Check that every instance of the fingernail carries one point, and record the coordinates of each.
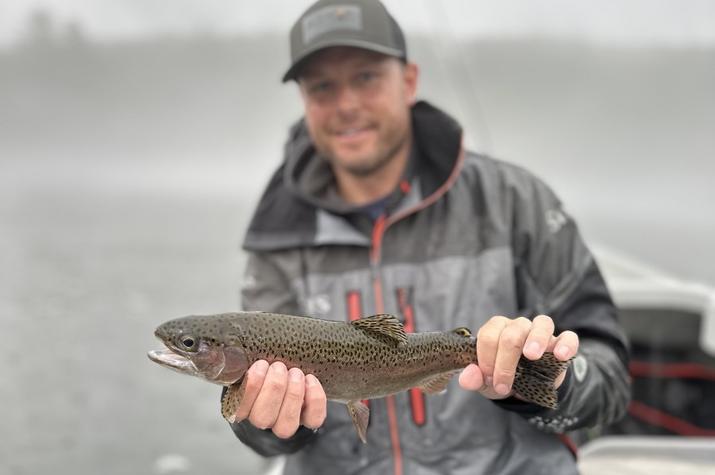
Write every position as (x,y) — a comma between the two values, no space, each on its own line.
(563,352)
(310,380)
(489,380)
(502,389)
(279,368)
(260,368)
(468,370)
(533,348)
(295,375)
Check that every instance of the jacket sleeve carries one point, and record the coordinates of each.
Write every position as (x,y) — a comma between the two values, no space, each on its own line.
(556,275)
(266,287)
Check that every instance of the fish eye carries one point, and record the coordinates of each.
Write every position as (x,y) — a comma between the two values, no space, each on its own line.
(188,342)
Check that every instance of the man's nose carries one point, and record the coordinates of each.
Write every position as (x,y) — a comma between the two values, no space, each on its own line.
(347,99)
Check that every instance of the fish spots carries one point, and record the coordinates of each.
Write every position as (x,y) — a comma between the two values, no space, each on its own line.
(534,380)
(351,363)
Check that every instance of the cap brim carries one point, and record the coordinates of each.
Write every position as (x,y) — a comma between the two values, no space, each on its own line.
(298,64)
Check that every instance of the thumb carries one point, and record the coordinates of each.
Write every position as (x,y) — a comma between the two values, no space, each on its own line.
(471,378)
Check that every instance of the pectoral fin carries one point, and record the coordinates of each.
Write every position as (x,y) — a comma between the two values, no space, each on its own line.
(231,399)
(360,415)
(384,325)
(437,384)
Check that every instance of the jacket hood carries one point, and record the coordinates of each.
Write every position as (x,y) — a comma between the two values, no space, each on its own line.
(304,185)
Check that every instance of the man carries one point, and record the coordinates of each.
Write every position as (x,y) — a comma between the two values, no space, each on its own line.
(377,208)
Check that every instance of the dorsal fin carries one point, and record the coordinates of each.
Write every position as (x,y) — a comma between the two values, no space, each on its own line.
(383,324)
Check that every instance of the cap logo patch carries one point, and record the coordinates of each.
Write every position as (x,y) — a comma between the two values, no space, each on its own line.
(327,19)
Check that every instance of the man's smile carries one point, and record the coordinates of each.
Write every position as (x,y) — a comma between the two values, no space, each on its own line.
(353,135)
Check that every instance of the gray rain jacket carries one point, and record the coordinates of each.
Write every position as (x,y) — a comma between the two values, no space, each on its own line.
(465,237)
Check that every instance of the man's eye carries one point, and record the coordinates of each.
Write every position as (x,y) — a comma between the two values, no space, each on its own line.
(366,76)
(320,87)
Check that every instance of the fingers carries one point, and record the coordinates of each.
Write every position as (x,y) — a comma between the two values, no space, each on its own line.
(510,348)
(255,376)
(488,343)
(541,332)
(315,404)
(471,378)
(266,407)
(565,345)
(289,414)
(500,344)
(278,399)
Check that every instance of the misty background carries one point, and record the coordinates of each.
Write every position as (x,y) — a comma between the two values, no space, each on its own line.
(136,137)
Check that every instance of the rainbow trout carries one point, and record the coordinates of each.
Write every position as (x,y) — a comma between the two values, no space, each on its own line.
(368,358)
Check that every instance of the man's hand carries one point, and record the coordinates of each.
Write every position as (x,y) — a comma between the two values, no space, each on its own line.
(281,400)
(501,342)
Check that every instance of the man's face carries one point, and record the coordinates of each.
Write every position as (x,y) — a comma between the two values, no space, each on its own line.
(357,107)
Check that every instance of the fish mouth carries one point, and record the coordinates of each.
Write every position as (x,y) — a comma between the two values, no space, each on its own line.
(172,360)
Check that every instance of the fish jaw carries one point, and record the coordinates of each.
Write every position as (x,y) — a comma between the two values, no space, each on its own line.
(173,361)
(219,365)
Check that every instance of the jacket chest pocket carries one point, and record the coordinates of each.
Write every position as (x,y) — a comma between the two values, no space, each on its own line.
(343,296)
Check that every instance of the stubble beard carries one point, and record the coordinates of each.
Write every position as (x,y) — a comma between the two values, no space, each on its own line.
(371,165)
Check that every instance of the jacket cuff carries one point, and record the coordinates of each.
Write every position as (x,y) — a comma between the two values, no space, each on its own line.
(265,442)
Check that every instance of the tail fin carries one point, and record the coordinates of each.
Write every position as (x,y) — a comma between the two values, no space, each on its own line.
(534,380)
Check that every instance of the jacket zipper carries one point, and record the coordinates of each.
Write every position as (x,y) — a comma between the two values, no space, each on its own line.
(378,232)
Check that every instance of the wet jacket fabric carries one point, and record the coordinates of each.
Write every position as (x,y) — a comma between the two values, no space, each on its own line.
(463,238)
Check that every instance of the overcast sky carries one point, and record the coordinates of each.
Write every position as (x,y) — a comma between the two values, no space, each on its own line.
(623,22)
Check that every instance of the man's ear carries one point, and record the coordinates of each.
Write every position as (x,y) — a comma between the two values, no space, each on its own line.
(411,76)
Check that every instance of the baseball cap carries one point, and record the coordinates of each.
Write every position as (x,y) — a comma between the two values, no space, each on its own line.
(363,24)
